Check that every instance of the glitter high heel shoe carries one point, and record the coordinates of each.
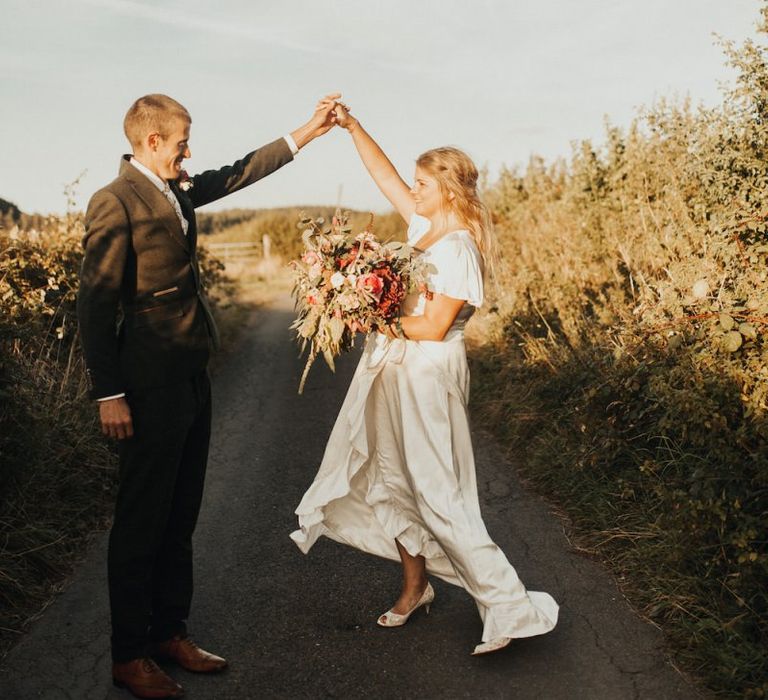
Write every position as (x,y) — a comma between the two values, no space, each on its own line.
(393,619)
(494,645)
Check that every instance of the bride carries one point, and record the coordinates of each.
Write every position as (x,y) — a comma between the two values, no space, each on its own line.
(398,475)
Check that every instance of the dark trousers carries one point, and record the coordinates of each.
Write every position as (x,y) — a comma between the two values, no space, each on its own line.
(162,472)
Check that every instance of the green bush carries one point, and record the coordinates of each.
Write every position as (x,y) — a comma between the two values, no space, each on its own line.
(629,361)
(57,473)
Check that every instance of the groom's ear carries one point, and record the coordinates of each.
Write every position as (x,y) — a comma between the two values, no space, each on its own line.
(152,141)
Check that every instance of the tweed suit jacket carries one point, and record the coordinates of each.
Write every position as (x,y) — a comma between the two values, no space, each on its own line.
(143,315)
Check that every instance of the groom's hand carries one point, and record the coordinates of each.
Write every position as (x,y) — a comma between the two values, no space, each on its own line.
(115,417)
(322,121)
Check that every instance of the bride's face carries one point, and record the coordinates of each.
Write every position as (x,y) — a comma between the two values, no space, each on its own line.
(426,194)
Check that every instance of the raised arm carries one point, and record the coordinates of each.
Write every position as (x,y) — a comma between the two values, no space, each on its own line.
(211,185)
(378,165)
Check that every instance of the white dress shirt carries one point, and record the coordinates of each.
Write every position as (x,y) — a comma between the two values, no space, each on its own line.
(163,186)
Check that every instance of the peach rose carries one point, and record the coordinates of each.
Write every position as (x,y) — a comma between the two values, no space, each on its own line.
(371,283)
(310,258)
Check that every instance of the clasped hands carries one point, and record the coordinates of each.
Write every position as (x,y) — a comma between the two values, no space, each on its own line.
(329,112)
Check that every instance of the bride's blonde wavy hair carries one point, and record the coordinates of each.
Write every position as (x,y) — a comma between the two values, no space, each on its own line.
(456,174)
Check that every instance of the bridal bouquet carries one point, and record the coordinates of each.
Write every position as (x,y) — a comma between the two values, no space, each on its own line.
(344,283)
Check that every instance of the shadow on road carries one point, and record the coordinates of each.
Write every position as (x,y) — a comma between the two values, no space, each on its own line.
(296,626)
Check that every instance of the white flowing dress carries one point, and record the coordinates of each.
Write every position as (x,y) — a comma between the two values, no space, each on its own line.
(399,462)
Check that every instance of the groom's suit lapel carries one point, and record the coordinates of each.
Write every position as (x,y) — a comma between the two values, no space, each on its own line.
(188,210)
(156,202)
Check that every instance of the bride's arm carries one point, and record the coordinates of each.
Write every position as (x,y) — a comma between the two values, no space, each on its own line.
(379,166)
(439,314)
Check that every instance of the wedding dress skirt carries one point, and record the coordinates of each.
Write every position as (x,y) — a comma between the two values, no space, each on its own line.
(399,466)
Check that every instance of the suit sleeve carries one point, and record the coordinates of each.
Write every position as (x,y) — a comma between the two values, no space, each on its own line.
(106,242)
(215,184)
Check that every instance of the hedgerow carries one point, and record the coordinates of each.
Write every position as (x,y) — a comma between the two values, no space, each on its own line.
(57,473)
(628,363)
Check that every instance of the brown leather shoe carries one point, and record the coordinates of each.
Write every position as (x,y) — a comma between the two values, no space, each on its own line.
(144,679)
(188,655)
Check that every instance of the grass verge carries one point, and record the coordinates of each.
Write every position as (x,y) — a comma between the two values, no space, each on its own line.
(57,473)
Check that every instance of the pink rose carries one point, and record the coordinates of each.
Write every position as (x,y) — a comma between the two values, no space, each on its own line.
(371,283)
(310,258)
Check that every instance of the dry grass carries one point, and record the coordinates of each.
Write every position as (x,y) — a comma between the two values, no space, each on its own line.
(57,473)
(625,361)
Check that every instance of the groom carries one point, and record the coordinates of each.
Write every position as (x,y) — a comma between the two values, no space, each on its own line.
(146,329)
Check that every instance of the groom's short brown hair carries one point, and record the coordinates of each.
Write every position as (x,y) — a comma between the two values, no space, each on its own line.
(150,114)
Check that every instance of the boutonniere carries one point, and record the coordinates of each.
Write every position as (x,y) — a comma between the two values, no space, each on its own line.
(185,181)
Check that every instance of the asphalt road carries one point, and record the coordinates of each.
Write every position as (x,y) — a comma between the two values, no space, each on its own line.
(296,626)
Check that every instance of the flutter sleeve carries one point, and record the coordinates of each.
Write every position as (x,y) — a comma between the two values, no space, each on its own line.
(458,270)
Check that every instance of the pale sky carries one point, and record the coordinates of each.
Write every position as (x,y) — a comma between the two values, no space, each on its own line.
(501,79)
